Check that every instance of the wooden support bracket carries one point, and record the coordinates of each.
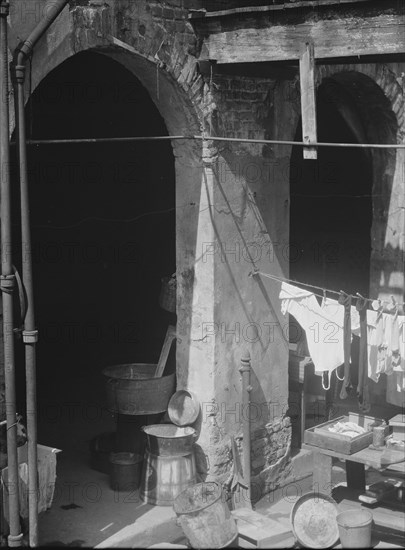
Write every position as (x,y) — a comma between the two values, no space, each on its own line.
(308,100)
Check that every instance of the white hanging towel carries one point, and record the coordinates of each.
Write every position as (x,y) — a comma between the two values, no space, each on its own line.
(324,334)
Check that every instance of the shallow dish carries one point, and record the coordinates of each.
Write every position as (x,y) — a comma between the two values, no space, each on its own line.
(313,520)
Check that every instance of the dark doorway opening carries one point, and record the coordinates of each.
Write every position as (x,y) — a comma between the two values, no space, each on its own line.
(103,231)
(330,231)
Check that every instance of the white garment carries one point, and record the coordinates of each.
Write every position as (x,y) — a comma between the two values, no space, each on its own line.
(395,393)
(382,341)
(376,344)
(376,336)
(324,334)
(336,311)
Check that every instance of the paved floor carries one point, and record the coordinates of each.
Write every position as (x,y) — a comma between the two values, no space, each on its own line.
(86,512)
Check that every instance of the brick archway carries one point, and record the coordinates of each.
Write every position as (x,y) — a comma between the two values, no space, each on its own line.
(379,100)
(168,71)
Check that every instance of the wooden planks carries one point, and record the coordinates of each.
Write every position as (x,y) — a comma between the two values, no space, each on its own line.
(308,101)
(202,13)
(164,354)
(351,36)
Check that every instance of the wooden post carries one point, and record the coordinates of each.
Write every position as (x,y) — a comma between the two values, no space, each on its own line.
(246,389)
(308,102)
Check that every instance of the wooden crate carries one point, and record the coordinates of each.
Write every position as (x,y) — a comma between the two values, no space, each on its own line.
(320,436)
(259,531)
(398,427)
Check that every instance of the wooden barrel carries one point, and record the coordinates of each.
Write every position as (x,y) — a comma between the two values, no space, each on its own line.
(205,517)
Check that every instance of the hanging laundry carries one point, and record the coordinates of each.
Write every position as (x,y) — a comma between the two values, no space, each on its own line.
(399,362)
(362,386)
(394,360)
(338,313)
(378,334)
(346,301)
(395,392)
(376,341)
(324,335)
(335,311)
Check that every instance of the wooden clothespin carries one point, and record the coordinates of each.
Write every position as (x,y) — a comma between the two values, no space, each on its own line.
(361,301)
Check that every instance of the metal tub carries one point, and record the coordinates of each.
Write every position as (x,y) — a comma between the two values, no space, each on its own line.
(133,389)
(169,440)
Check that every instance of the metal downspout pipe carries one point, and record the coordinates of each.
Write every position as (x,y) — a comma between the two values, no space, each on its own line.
(30,333)
(7,283)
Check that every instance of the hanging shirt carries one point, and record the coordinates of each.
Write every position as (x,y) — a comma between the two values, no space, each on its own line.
(324,335)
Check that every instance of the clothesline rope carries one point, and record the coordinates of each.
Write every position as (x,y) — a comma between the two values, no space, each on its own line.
(215,138)
(285,280)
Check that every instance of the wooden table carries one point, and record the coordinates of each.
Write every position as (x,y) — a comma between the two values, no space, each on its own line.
(356,480)
(355,463)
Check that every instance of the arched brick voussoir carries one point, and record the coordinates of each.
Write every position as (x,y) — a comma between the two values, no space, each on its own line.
(384,78)
(155,49)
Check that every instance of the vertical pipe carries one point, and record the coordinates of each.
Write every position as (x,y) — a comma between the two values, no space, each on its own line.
(246,389)
(7,283)
(30,334)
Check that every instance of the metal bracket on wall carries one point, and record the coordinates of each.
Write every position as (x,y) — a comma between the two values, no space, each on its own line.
(30,336)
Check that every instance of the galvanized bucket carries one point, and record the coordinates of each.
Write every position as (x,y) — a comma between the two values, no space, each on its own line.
(165,477)
(169,440)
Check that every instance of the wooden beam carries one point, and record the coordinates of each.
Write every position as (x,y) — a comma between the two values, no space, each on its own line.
(339,37)
(308,101)
(202,13)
